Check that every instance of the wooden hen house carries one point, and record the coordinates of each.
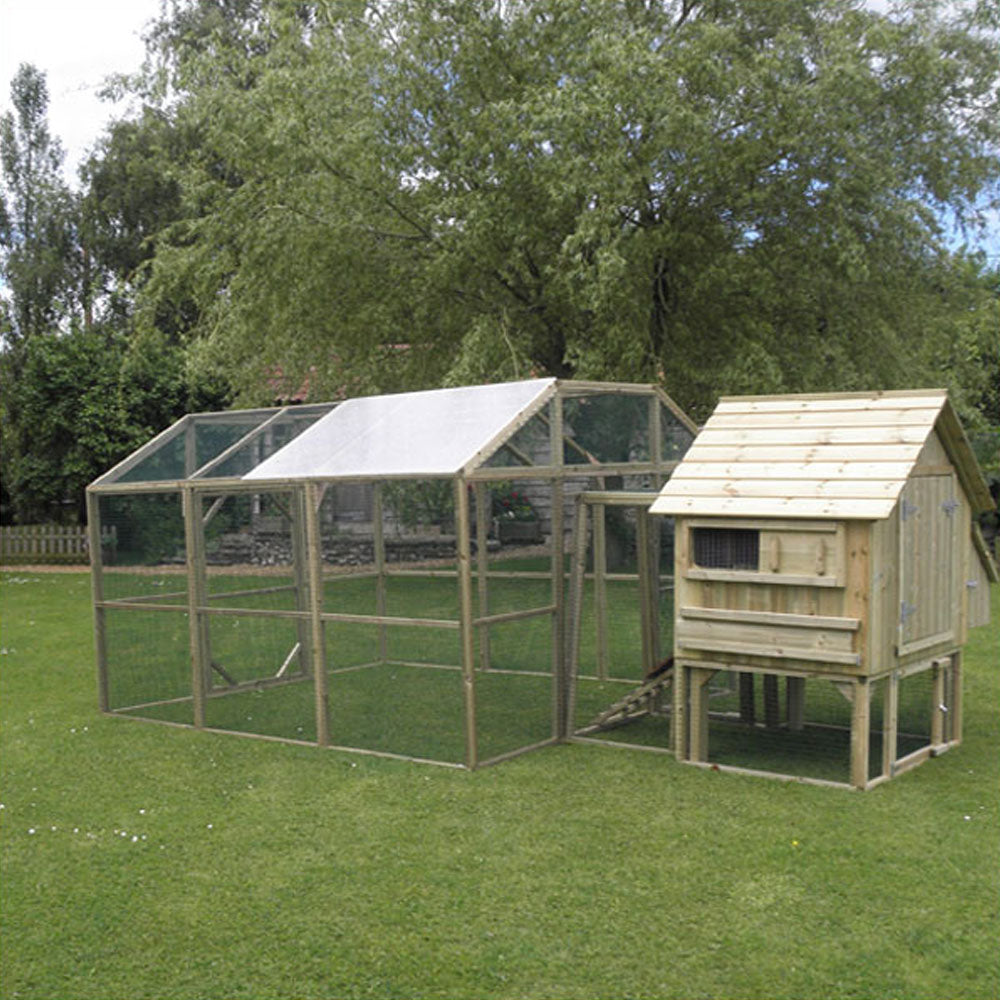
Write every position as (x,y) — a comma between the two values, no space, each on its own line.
(827,541)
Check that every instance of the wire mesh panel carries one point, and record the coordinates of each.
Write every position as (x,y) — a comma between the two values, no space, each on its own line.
(148,663)
(529,445)
(782,725)
(916,706)
(625,628)
(258,676)
(676,436)
(144,555)
(607,427)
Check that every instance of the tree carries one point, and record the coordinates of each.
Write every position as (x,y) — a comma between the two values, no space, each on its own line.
(38,255)
(735,197)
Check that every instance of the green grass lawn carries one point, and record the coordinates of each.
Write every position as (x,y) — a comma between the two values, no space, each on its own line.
(141,861)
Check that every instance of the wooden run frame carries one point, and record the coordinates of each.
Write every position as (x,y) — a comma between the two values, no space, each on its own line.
(692,715)
(202,496)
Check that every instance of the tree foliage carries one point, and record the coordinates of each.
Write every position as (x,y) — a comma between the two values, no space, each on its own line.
(730,196)
(37,242)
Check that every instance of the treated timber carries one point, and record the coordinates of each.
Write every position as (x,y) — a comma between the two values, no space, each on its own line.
(574,627)
(560,689)
(97,589)
(466,638)
(313,540)
(378,545)
(482,572)
(600,589)
(860,722)
(198,652)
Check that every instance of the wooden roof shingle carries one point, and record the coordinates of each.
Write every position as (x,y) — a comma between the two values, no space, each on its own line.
(830,455)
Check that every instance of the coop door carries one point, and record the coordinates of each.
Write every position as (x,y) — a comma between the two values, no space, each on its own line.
(929,567)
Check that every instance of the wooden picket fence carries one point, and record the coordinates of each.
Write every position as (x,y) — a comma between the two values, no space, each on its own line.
(48,543)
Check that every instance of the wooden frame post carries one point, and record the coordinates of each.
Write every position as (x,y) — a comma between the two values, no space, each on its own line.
(558,513)
(860,721)
(648,594)
(698,735)
(195,558)
(679,716)
(957,707)
(314,555)
(97,586)
(378,545)
(482,570)
(601,589)
(890,724)
(465,620)
(300,561)
(938,702)
(574,618)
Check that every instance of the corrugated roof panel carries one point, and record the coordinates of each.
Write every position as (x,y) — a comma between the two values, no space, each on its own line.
(429,433)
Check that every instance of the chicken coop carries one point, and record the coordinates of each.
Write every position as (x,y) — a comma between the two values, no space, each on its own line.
(828,565)
(384,574)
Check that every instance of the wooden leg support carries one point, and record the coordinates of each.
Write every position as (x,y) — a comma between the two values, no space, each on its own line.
(795,696)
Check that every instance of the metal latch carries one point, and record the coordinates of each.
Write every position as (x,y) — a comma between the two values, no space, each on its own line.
(950,506)
(972,584)
(906,612)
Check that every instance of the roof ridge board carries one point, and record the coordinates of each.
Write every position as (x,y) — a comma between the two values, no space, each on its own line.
(831,396)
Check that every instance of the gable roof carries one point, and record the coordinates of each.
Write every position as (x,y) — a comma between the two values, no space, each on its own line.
(434,432)
(834,455)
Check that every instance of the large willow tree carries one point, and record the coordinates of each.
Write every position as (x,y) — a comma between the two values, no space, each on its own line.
(733,196)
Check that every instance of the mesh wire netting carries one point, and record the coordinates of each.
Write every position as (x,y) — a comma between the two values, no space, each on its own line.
(915,710)
(753,723)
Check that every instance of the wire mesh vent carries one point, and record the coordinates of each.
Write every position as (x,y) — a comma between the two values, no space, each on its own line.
(727,548)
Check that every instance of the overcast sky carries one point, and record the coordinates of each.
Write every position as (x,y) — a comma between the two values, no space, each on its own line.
(76,43)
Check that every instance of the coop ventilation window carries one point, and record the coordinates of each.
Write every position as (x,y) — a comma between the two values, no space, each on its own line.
(726,548)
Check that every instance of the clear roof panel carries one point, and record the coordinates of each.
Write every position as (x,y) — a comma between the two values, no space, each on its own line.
(436,432)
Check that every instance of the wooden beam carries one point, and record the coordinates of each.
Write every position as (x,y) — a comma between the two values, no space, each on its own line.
(860,721)
(313,546)
(97,596)
(378,545)
(466,638)
(483,512)
(196,598)
(600,550)
(574,617)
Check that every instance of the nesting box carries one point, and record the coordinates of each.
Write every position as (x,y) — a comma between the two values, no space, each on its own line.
(826,542)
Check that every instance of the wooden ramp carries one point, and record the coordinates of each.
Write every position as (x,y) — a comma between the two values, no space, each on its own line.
(635,704)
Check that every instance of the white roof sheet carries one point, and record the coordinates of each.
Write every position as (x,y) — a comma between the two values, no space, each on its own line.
(435,432)
(829,456)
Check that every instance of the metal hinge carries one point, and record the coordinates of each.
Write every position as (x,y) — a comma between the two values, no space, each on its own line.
(950,506)
(972,584)
(906,612)
(907,509)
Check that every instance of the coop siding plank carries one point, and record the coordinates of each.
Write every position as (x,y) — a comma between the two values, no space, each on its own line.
(772,618)
(785,640)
